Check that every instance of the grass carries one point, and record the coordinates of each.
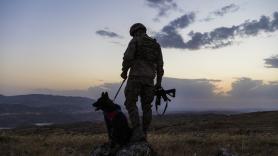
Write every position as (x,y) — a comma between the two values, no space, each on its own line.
(247,135)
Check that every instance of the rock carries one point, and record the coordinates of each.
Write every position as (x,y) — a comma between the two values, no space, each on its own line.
(132,149)
(137,149)
(101,150)
(225,152)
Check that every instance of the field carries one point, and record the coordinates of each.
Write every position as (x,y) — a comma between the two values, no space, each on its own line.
(252,134)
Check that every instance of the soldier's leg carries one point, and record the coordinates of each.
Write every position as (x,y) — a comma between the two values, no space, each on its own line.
(147,96)
(131,97)
(132,92)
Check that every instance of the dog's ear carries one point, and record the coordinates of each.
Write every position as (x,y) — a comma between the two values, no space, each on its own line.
(102,94)
(106,94)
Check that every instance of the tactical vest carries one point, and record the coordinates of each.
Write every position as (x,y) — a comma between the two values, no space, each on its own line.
(147,49)
(146,55)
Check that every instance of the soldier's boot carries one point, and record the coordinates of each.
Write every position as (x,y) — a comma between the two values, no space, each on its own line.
(137,133)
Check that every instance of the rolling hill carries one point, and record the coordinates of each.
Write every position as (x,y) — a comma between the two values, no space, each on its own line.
(38,108)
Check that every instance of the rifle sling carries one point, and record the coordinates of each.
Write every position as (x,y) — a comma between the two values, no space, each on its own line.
(165,108)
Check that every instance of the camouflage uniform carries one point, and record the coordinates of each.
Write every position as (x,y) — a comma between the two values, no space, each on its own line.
(144,59)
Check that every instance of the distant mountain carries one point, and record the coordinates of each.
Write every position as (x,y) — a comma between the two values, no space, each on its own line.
(38,100)
(39,108)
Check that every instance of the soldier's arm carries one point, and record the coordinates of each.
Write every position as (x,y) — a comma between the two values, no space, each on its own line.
(129,56)
(159,70)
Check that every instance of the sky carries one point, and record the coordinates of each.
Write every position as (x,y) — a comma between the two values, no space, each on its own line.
(72,47)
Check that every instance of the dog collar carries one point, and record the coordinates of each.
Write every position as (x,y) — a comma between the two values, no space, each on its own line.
(111,115)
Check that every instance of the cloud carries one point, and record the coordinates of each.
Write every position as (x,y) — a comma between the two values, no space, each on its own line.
(118,43)
(169,37)
(162,6)
(256,89)
(243,87)
(199,94)
(252,28)
(109,34)
(219,37)
(192,88)
(92,92)
(226,9)
(222,11)
(272,62)
(187,90)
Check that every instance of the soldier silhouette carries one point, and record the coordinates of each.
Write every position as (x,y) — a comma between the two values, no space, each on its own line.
(143,58)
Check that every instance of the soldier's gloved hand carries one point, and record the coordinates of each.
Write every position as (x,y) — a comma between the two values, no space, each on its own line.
(124,75)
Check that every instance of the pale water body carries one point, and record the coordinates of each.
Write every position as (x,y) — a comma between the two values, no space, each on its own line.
(44,124)
(36,124)
(2,128)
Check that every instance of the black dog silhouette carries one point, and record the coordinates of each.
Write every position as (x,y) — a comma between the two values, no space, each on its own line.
(116,122)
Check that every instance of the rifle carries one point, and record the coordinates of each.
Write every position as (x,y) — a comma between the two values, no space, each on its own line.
(163,93)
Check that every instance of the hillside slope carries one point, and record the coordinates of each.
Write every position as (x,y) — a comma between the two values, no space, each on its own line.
(253,134)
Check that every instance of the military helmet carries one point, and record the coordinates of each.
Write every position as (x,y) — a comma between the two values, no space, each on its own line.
(135,27)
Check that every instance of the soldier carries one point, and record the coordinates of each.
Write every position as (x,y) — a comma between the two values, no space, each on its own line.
(143,57)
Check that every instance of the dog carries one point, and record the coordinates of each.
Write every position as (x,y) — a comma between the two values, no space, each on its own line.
(116,122)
